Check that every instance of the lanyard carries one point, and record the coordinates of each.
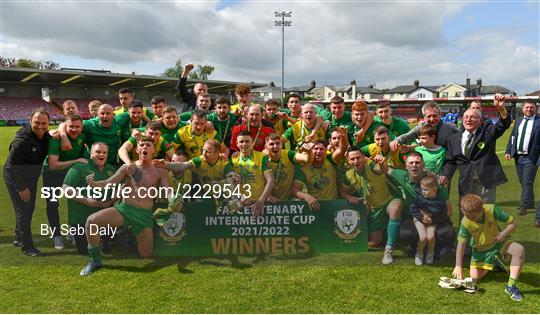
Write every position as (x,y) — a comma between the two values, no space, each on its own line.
(256,137)
(193,135)
(278,172)
(244,173)
(362,183)
(226,128)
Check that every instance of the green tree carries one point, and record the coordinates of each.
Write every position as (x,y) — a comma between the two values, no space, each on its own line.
(174,71)
(28,63)
(202,72)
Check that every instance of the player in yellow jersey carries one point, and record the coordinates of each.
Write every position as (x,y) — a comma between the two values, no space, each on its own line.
(488,242)
(192,137)
(366,182)
(243,96)
(208,166)
(320,177)
(381,136)
(283,163)
(304,130)
(271,108)
(254,171)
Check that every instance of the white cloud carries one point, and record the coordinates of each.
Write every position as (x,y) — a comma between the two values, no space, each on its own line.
(384,43)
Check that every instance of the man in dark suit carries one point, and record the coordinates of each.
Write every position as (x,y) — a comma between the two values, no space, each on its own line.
(473,152)
(521,146)
(189,97)
(537,217)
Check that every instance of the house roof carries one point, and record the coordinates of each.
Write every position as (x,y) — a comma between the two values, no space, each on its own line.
(492,89)
(367,89)
(403,89)
(267,89)
(320,89)
(535,93)
(342,88)
(432,88)
(411,88)
(303,88)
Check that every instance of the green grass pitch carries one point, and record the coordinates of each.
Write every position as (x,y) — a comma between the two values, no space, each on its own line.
(338,283)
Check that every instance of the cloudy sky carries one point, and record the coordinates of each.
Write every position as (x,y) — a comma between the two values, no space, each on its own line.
(383,43)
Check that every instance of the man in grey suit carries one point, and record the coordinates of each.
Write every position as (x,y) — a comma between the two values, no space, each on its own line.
(432,116)
(523,147)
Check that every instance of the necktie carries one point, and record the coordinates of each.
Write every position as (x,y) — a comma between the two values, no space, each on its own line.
(467,150)
(522,138)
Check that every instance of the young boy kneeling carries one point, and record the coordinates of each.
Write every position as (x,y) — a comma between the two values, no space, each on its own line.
(488,242)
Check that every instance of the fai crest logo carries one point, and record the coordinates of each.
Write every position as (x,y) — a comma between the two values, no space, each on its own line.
(347,223)
(174,229)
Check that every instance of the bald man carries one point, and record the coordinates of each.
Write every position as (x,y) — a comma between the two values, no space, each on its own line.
(254,127)
(104,128)
(473,152)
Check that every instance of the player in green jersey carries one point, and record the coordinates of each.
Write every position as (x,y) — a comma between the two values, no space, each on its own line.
(133,119)
(337,116)
(396,125)
(170,123)
(56,166)
(222,120)
(80,208)
(361,131)
(162,149)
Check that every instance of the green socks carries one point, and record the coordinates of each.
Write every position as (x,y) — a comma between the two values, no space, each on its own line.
(94,253)
(511,281)
(392,231)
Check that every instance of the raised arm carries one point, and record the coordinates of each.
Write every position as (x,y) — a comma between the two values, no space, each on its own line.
(123,152)
(115,179)
(405,138)
(343,143)
(304,154)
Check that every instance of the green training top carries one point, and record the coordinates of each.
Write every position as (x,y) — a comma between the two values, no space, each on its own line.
(77,150)
(76,177)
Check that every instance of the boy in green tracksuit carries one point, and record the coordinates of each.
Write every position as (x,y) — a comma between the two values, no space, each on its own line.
(488,242)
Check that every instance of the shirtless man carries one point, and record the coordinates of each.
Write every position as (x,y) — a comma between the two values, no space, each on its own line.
(134,211)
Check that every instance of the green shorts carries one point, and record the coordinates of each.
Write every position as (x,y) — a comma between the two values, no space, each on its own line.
(377,220)
(136,218)
(484,259)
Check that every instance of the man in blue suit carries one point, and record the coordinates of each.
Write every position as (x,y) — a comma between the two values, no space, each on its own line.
(523,145)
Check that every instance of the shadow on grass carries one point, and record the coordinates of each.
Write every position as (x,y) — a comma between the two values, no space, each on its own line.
(529,278)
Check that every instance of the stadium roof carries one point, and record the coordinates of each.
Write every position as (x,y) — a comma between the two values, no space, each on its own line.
(85,77)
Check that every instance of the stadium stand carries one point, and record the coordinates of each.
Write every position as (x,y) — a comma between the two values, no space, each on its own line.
(19,108)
